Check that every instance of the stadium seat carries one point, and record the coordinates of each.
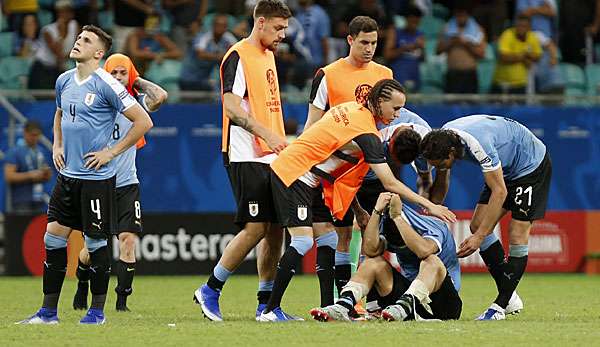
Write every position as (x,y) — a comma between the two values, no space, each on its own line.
(485,75)
(431,26)
(440,11)
(6,44)
(430,46)
(399,22)
(208,20)
(430,89)
(44,17)
(573,76)
(166,72)
(490,53)
(173,89)
(432,74)
(592,74)
(14,72)
(106,20)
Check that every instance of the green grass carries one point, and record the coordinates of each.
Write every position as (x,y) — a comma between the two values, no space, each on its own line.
(559,310)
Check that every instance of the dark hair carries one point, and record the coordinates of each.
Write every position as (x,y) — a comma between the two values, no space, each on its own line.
(363,24)
(271,9)
(102,35)
(437,144)
(523,17)
(413,11)
(32,125)
(404,145)
(383,89)
(21,30)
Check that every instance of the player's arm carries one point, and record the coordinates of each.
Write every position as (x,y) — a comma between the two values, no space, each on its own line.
(318,99)
(314,114)
(439,188)
(372,244)
(424,181)
(241,118)
(495,181)
(362,216)
(478,49)
(58,153)
(155,96)
(419,245)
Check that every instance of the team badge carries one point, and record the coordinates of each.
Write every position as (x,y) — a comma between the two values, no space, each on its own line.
(272,82)
(253,209)
(89,98)
(361,93)
(302,212)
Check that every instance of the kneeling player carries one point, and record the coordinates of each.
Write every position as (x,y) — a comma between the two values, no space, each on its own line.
(430,279)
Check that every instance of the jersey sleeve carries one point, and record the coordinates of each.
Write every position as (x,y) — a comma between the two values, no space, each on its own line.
(372,148)
(115,93)
(234,80)
(483,149)
(11,156)
(318,92)
(58,87)
(436,236)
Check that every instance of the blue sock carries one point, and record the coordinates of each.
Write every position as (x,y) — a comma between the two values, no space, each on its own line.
(265,286)
(342,258)
(217,280)
(488,241)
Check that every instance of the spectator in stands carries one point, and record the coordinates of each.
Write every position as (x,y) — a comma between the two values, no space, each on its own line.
(55,43)
(577,19)
(491,14)
(16,10)
(186,17)
(148,44)
(25,170)
(404,50)
(27,38)
(205,56)
(129,15)
(86,11)
(317,27)
(541,13)
(548,77)
(293,56)
(234,8)
(464,42)
(518,49)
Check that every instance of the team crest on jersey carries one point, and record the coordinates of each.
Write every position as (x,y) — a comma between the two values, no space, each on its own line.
(89,98)
(302,212)
(361,92)
(253,208)
(272,82)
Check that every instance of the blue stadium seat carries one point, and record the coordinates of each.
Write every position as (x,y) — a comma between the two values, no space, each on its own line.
(431,26)
(430,46)
(485,75)
(6,44)
(14,72)
(592,74)
(166,72)
(432,74)
(45,17)
(106,20)
(573,76)
(440,11)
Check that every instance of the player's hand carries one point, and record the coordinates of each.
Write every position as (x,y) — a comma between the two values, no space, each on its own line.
(36,175)
(98,159)
(362,218)
(58,158)
(276,143)
(383,201)
(395,206)
(442,212)
(469,246)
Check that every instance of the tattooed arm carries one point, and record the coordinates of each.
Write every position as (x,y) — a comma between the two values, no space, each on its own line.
(241,118)
(155,95)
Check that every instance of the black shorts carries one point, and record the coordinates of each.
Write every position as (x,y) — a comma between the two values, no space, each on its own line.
(445,303)
(528,195)
(86,205)
(251,185)
(129,209)
(298,205)
(367,197)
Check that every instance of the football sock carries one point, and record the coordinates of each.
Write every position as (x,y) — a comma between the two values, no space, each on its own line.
(285,271)
(347,300)
(493,257)
(99,276)
(265,288)
(343,269)
(517,262)
(55,268)
(217,280)
(326,244)
(125,273)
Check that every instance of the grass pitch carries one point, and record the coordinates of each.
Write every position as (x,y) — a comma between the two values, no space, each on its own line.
(559,310)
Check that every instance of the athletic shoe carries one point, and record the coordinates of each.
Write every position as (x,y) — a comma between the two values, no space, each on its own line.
(208,299)
(259,310)
(515,304)
(277,315)
(495,312)
(404,309)
(81,296)
(330,313)
(42,316)
(94,317)
(121,305)
(373,315)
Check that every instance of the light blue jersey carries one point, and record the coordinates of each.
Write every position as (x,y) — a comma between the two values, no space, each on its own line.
(493,142)
(429,228)
(89,109)
(125,162)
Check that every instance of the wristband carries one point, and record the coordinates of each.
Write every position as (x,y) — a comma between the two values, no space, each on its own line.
(376,211)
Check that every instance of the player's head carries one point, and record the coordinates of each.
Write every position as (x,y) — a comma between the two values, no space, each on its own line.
(461,12)
(413,18)
(220,22)
(91,44)
(441,148)
(123,70)
(270,22)
(404,145)
(522,26)
(362,38)
(32,132)
(385,99)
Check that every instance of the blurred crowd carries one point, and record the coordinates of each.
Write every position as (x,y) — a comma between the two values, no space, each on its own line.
(452,46)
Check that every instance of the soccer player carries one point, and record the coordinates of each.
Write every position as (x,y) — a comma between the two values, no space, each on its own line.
(253,134)
(516,169)
(347,79)
(88,100)
(129,210)
(340,148)
(428,285)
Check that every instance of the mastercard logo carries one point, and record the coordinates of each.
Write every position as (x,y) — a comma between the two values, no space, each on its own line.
(32,246)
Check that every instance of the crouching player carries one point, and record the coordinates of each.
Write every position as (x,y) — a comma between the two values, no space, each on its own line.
(427,287)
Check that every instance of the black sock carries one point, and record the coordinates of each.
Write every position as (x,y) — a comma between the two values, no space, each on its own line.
(263,296)
(326,273)
(342,276)
(99,276)
(372,296)
(83,272)
(347,300)
(510,279)
(214,283)
(493,257)
(55,268)
(125,272)
(285,271)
